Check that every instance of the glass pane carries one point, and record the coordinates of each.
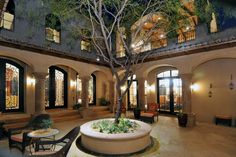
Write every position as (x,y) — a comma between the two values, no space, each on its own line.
(164,92)
(167,74)
(90,96)
(12,87)
(59,88)
(47,91)
(160,75)
(78,89)
(174,72)
(133,94)
(177,89)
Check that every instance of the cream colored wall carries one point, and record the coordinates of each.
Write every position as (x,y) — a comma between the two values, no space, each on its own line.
(223,101)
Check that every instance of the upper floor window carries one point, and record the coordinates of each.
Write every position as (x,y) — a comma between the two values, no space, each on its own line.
(53,28)
(85,45)
(7,11)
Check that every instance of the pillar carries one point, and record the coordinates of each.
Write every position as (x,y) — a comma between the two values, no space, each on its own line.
(186,97)
(186,92)
(111,94)
(85,86)
(40,92)
(141,92)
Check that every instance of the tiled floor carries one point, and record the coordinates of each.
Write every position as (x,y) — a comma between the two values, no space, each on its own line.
(204,140)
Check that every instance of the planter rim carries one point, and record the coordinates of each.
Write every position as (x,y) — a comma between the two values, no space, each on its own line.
(143,130)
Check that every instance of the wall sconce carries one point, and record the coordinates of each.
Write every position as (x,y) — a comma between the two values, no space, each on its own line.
(210,92)
(72,83)
(31,81)
(195,87)
(231,84)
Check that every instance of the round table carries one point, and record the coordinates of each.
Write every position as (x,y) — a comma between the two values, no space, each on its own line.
(36,135)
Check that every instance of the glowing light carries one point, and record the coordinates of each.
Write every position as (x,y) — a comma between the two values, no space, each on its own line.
(195,87)
(72,83)
(98,59)
(187,28)
(30,81)
(161,36)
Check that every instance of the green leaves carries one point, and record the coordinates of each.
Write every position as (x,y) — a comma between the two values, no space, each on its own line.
(109,127)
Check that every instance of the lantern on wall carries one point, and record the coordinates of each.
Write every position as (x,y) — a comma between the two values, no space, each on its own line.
(210,92)
(231,84)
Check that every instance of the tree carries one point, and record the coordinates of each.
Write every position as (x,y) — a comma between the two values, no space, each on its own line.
(127,19)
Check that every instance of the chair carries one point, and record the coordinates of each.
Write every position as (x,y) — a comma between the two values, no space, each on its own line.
(18,138)
(152,108)
(65,142)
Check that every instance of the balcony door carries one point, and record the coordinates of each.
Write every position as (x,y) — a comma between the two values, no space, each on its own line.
(169,91)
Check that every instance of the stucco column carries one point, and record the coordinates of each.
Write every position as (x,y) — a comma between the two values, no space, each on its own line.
(85,86)
(40,92)
(111,94)
(186,97)
(186,92)
(141,92)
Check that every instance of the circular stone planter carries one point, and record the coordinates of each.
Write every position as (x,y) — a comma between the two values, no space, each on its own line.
(122,143)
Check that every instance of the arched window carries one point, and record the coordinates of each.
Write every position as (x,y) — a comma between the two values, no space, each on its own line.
(53,28)
(92,90)
(12,81)
(56,88)
(78,89)
(169,87)
(133,93)
(7,11)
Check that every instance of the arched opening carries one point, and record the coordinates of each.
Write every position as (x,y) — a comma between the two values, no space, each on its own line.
(169,91)
(12,81)
(53,28)
(56,88)
(7,14)
(78,89)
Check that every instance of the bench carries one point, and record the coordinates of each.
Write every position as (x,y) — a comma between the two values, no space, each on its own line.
(147,117)
(221,119)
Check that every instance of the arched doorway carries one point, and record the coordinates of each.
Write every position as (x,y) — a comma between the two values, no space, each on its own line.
(169,95)
(133,93)
(56,88)
(12,86)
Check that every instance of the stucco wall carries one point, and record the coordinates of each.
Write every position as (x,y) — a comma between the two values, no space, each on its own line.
(223,99)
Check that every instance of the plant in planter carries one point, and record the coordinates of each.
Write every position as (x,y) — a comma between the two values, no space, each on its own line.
(77,106)
(104,102)
(182,119)
(45,123)
(137,112)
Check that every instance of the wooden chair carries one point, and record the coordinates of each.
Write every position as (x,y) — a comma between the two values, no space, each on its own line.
(17,137)
(65,142)
(152,108)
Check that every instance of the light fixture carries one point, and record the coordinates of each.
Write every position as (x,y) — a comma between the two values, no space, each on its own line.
(195,87)
(210,92)
(72,83)
(187,28)
(231,84)
(161,36)
(159,18)
(30,81)
(98,59)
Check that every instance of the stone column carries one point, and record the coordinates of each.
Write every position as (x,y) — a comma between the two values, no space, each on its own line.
(141,92)
(40,92)
(112,94)
(186,97)
(186,92)
(85,86)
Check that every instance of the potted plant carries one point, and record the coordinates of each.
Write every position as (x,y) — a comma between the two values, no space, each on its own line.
(137,112)
(104,102)
(182,119)
(77,106)
(45,123)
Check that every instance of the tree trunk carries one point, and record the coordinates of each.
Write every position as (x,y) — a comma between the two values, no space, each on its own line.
(119,104)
